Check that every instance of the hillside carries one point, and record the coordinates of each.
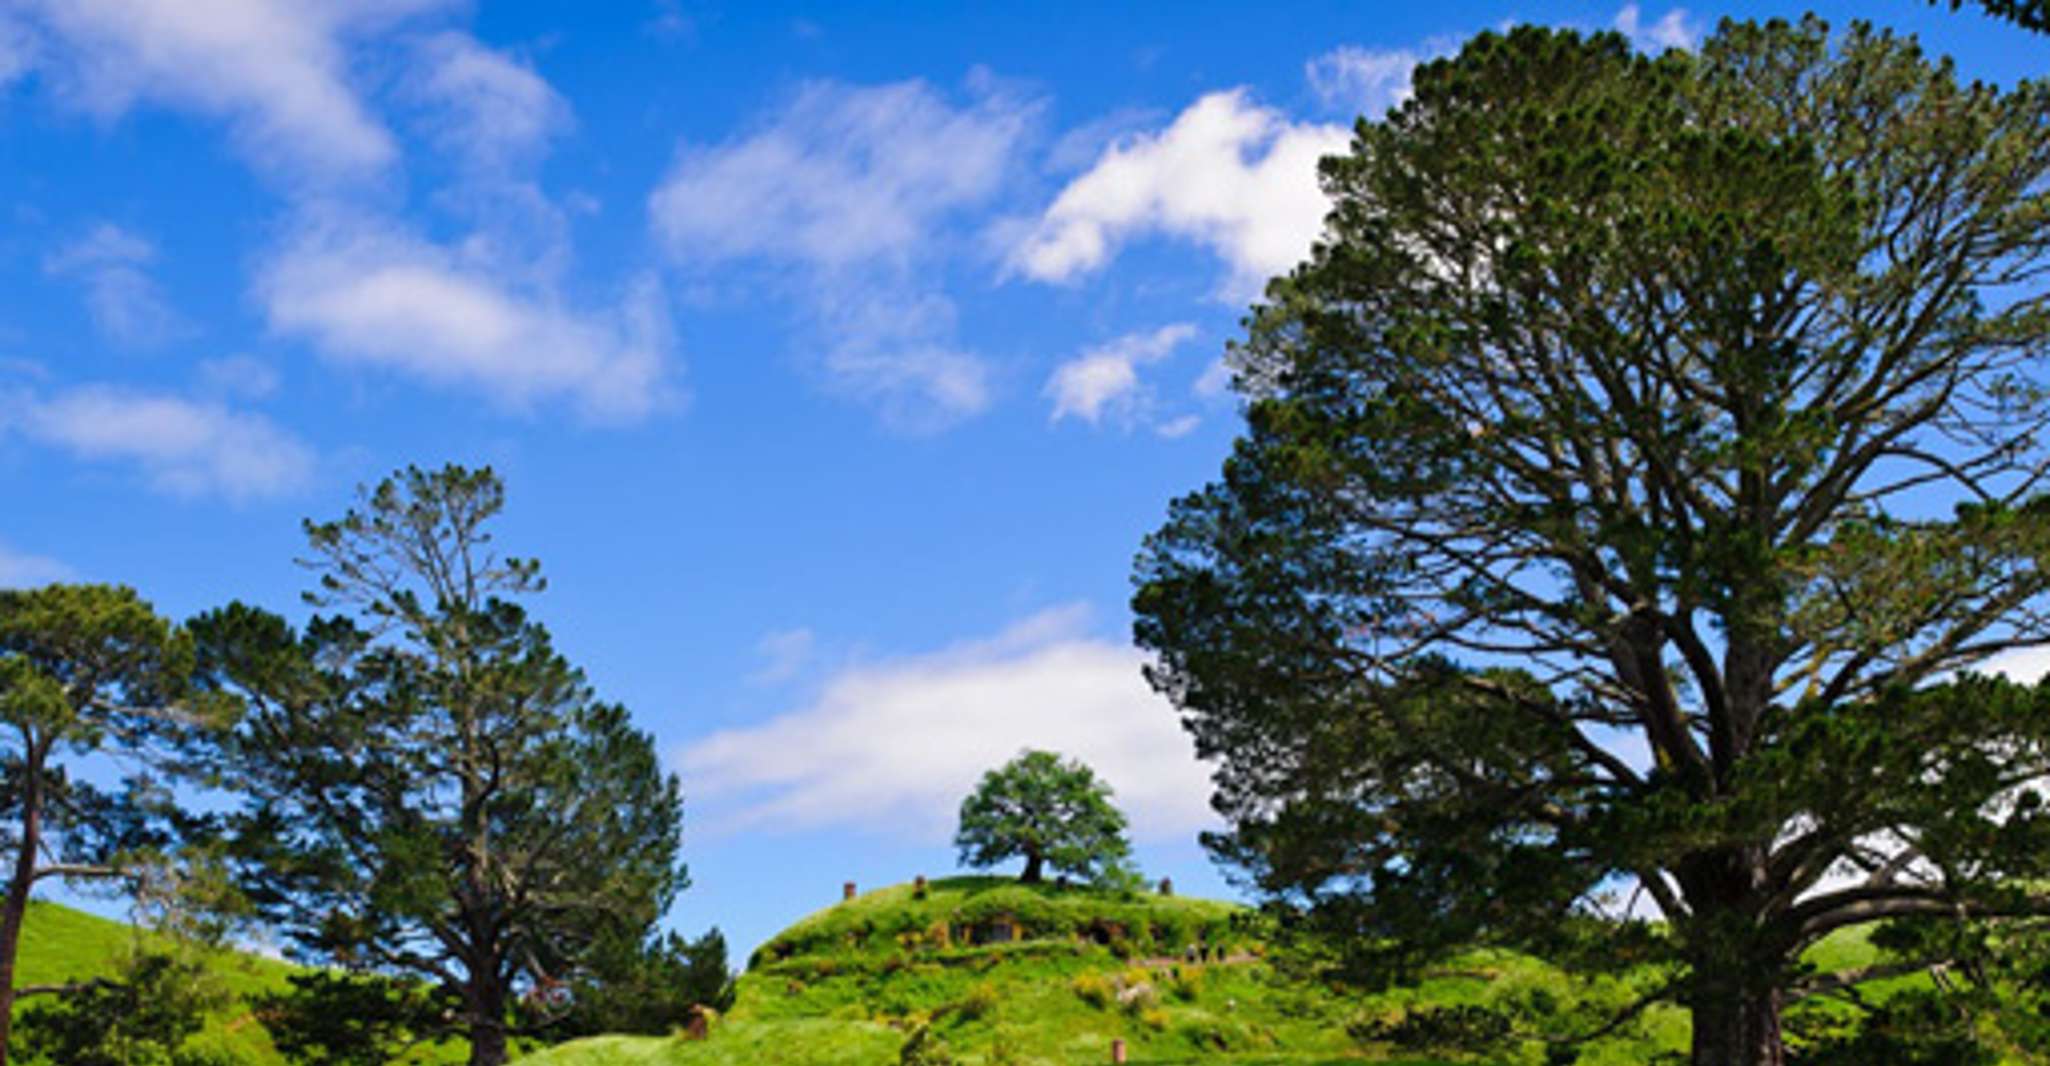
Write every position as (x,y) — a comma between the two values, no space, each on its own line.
(1004,973)
(60,945)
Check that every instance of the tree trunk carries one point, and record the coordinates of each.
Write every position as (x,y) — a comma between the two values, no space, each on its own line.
(1738,1029)
(15,908)
(1034,865)
(487,1022)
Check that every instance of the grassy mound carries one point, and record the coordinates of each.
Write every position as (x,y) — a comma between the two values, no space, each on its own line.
(1004,974)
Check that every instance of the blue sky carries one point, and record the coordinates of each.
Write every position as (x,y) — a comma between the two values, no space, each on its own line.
(836,357)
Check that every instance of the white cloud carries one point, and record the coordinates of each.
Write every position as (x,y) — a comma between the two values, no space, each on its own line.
(238,376)
(18,48)
(20,570)
(1673,30)
(125,303)
(1177,428)
(1105,379)
(895,350)
(784,652)
(857,186)
(487,108)
(893,746)
(1216,380)
(842,175)
(1362,81)
(370,293)
(1236,177)
(2025,665)
(184,447)
(277,71)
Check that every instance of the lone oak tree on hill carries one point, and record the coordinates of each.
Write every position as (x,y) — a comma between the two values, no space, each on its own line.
(86,669)
(1628,476)
(434,791)
(1050,811)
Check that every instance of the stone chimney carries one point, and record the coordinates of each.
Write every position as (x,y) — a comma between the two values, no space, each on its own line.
(1167,886)
(847,890)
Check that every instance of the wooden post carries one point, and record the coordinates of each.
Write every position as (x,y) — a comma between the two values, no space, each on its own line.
(1117,1051)
(847,890)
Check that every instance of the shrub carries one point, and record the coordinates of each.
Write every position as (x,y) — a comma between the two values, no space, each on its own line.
(1139,998)
(1095,990)
(1187,985)
(1154,1018)
(1468,1028)
(979,1002)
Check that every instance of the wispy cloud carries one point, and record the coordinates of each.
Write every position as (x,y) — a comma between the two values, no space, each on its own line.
(367,292)
(892,746)
(784,652)
(482,105)
(840,175)
(183,447)
(125,302)
(1105,380)
(1674,29)
(864,189)
(1363,81)
(1228,174)
(277,71)
(20,570)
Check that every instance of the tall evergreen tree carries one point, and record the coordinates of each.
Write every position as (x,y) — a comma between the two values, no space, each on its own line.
(434,792)
(1627,477)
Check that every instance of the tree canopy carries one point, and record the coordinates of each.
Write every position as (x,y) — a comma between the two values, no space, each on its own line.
(87,669)
(433,791)
(2030,14)
(1051,812)
(1627,478)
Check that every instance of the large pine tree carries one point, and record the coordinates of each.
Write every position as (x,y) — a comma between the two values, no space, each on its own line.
(1627,476)
(434,792)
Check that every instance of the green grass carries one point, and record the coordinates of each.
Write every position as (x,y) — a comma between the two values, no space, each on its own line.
(846,985)
(60,945)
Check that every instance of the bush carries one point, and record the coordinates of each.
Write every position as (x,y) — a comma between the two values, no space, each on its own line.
(1095,990)
(1467,1028)
(979,1002)
(1154,1018)
(1187,984)
(1139,998)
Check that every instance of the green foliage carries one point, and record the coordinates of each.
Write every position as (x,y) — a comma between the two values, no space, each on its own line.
(433,791)
(92,670)
(2030,14)
(146,1015)
(1607,418)
(343,1019)
(978,1003)
(1050,811)
(650,987)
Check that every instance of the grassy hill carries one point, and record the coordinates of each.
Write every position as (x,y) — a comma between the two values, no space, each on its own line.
(61,945)
(1014,975)
(1002,974)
